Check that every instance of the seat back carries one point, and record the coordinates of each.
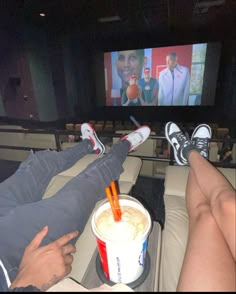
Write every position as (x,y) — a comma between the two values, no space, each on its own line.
(45,141)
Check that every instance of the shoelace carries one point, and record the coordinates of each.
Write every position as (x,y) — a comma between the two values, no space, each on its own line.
(182,138)
(201,143)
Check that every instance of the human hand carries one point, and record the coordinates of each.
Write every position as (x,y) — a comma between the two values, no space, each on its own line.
(44,266)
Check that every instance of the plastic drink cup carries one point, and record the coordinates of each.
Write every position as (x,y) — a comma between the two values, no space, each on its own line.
(122,255)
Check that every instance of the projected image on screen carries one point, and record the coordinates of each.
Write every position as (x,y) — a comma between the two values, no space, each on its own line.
(163,76)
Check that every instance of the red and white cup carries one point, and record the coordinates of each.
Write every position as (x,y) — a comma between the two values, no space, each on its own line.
(122,260)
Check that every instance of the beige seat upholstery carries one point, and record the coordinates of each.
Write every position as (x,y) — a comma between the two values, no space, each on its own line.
(12,139)
(44,141)
(213,151)
(127,179)
(86,244)
(146,149)
(175,233)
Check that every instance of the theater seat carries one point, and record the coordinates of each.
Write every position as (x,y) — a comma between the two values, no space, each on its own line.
(12,139)
(30,140)
(175,233)
(131,165)
(213,151)
(86,243)
(146,149)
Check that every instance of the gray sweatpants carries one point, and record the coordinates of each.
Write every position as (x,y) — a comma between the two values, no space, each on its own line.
(23,212)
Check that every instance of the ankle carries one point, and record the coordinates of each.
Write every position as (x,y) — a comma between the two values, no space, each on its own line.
(192,153)
(186,151)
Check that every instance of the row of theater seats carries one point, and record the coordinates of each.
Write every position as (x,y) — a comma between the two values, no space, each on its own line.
(103,126)
(152,147)
(158,127)
(109,125)
(160,148)
(44,141)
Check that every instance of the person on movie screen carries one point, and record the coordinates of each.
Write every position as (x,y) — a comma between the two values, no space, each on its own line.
(130,62)
(174,82)
(132,94)
(149,87)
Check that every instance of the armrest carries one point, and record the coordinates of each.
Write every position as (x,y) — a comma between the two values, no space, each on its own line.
(177,176)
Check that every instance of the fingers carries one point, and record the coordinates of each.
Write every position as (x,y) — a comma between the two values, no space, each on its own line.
(37,240)
(66,238)
(68,249)
(68,259)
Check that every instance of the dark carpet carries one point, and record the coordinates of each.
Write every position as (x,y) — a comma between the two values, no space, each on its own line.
(149,191)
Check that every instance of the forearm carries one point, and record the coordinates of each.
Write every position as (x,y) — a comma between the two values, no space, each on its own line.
(156,99)
(186,91)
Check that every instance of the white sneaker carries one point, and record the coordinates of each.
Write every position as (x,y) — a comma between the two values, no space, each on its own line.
(180,143)
(201,139)
(88,132)
(137,137)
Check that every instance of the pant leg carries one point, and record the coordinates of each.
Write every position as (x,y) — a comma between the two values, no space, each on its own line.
(68,210)
(31,179)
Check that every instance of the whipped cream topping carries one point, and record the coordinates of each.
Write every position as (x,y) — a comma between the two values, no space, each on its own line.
(133,224)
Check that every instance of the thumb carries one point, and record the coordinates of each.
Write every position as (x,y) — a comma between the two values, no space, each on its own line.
(37,240)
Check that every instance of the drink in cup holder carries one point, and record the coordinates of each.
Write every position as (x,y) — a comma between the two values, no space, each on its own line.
(122,245)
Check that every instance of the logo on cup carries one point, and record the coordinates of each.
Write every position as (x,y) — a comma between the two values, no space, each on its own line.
(122,258)
(118,269)
(142,254)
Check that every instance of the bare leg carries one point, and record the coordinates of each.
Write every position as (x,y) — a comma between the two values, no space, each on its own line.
(208,264)
(219,194)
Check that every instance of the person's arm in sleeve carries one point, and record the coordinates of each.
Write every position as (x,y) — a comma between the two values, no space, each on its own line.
(124,99)
(155,93)
(5,283)
(141,94)
(160,92)
(186,88)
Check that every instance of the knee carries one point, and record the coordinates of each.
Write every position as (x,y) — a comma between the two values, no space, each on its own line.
(222,194)
(202,213)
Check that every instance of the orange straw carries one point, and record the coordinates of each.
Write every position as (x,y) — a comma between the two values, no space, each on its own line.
(109,197)
(116,199)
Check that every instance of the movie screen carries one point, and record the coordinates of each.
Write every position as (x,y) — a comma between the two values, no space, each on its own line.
(183,75)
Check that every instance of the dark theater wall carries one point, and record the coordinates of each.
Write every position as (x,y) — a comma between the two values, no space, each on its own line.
(36,43)
(229,81)
(61,76)
(37,78)
(16,89)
